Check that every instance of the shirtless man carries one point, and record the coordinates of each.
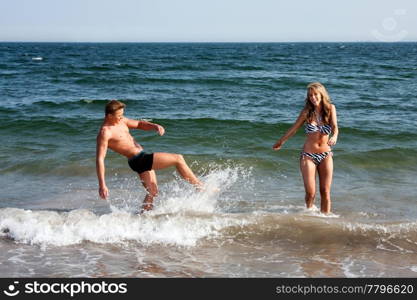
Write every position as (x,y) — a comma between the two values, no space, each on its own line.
(114,134)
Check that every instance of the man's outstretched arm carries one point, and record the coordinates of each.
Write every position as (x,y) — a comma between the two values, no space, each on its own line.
(101,150)
(144,125)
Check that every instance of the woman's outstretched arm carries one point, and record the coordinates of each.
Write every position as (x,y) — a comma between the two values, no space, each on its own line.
(298,123)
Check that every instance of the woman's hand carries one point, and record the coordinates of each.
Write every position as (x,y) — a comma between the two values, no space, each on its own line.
(332,141)
(277,145)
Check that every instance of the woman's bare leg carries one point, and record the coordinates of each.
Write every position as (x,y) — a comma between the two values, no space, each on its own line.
(308,171)
(325,170)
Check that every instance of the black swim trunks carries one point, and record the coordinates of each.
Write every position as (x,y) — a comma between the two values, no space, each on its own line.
(141,162)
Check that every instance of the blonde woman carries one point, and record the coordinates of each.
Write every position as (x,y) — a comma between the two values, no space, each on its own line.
(319,117)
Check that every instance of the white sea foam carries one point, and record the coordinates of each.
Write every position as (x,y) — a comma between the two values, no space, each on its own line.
(381,228)
(315,212)
(52,228)
(181,219)
(349,268)
(181,197)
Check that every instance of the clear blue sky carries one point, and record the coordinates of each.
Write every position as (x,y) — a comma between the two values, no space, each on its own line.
(207,20)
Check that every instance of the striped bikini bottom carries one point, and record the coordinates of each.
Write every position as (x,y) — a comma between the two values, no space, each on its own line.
(317,157)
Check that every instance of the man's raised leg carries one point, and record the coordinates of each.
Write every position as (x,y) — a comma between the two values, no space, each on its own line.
(164,160)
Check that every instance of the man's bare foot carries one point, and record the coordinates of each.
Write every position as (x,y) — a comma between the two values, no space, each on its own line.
(204,188)
(146,207)
(200,187)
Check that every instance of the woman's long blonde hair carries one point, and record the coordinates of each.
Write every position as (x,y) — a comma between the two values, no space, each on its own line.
(326,102)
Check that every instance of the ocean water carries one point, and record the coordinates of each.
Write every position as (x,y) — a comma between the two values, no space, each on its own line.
(223,106)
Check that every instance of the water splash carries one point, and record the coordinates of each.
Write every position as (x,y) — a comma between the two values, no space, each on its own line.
(182,217)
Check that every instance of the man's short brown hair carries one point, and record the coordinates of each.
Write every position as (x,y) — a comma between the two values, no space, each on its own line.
(113,106)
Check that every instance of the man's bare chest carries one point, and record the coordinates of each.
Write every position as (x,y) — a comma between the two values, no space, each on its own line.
(120,134)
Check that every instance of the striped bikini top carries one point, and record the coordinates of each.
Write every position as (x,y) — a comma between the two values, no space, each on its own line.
(324,129)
